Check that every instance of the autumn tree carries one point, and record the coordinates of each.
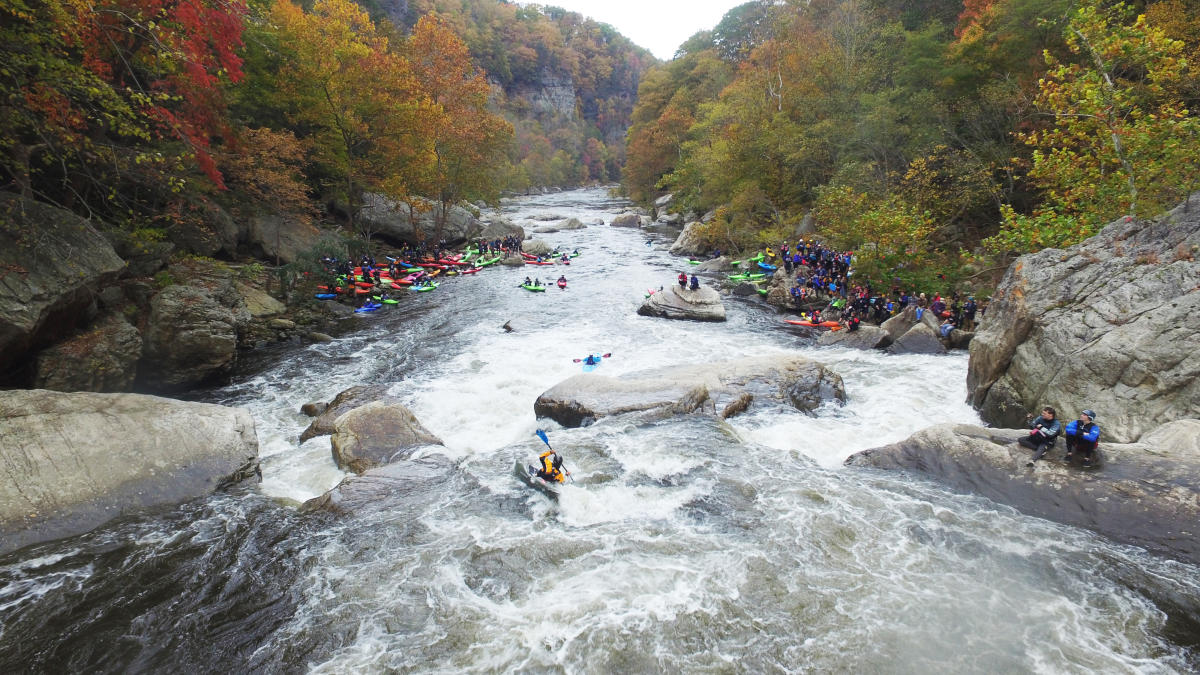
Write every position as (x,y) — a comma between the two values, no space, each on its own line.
(1118,140)
(361,110)
(467,140)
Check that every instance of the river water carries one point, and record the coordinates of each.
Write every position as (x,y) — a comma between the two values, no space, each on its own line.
(683,546)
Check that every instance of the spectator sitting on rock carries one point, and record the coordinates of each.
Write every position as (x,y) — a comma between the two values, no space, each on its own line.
(1042,432)
(946,327)
(695,283)
(1083,435)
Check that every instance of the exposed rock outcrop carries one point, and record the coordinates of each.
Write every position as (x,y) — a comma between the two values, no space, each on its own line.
(920,339)
(74,461)
(260,303)
(1108,324)
(192,331)
(1147,494)
(279,238)
(102,359)
(47,281)
(571,224)
(499,228)
(376,434)
(702,304)
(536,247)
(795,382)
(396,224)
(689,242)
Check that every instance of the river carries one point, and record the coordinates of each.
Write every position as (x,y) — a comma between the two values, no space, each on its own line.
(683,546)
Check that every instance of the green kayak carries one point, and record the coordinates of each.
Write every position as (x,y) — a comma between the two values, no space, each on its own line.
(535,289)
(485,263)
(762,291)
(423,289)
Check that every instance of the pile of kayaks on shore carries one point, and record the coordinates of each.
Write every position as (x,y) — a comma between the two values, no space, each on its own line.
(419,276)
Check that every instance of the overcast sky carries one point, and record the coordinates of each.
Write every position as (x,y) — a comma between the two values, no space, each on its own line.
(658,25)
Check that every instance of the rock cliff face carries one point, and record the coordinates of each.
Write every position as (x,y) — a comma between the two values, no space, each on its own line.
(1109,324)
(74,461)
(796,382)
(1146,494)
(52,265)
(393,223)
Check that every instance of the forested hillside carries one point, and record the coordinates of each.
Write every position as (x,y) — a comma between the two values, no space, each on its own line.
(164,118)
(567,83)
(942,135)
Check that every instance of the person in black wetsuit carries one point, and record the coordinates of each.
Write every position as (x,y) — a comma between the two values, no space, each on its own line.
(1043,430)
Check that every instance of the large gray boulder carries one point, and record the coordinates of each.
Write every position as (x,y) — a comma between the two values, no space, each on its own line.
(689,242)
(1109,324)
(1147,494)
(397,224)
(192,330)
(260,303)
(499,228)
(52,263)
(702,304)
(74,461)
(866,337)
(794,382)
(627,220)
(571,224)
(376,434)
(536,247)
(103,358)
(280,238)
(906,320)
(920,339)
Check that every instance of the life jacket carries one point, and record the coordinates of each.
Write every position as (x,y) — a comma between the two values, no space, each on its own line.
(550,463)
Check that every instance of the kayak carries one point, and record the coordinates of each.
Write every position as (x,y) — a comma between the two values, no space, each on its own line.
(422,289)
(759,257)
(589,367)
(769,268)
(528,475)
(370,307)
(762,291)
(824,324)
(326,296)
(534,262)
(562,284)
(490,261)
(473,270)
(390,301)
(735,263)
(693,262)
(535,289)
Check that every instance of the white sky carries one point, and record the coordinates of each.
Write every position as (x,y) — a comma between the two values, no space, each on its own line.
(658,25)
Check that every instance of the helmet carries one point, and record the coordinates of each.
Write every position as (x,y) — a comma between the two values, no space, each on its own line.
(1091,414)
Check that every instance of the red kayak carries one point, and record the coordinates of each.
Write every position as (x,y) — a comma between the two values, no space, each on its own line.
(824,324)
(562,284)
(473,270)
(534,262)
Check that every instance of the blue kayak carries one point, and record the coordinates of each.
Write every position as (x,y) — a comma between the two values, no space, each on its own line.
(589,367)
(326,296)
(769,268)
(369,307)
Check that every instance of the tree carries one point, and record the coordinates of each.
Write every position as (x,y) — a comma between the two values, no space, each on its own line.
(468,141)
(1118,141)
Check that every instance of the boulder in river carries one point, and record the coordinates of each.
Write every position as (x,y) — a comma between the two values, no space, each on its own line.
(74,461)
(376,434)
(396,223)
(1147,494)
(344,402)
(689,242)
(866,337)
(794,382)
(702,304)
(1109,324)
(571,224)
(536,247)
(627,220)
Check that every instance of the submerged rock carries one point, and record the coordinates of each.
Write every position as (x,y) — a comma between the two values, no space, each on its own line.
(74,461)
(702,304)
(1147,494)
(780,381)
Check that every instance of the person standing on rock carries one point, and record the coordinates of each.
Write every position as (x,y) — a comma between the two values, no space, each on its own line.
(1043,430)
(1083,435)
